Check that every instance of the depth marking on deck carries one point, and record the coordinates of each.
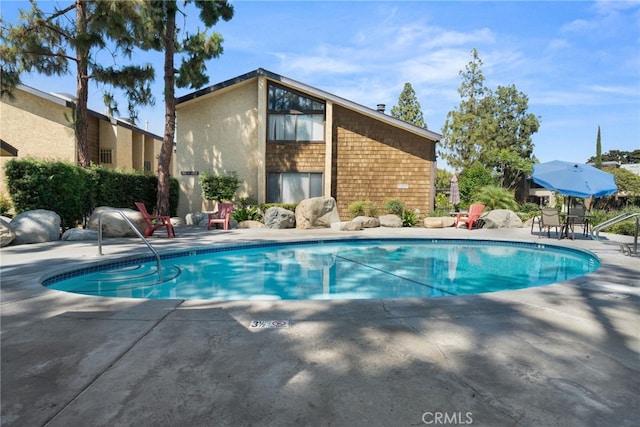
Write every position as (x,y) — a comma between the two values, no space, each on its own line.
(270,324)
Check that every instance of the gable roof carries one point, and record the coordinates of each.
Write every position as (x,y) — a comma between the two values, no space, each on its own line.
(67,100)
(315,92)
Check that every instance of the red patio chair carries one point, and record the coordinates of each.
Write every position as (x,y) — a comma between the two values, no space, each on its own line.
(221,216)
(470,217)
(155,222)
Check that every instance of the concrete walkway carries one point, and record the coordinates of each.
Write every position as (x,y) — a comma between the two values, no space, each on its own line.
(560,355)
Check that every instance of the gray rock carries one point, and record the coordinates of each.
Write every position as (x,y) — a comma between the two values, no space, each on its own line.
(390,220)
(347,226)
(317,212)
(112,223)
(501,218)
(279,218)
(7,234)
(367,221)
(37,226)
(197,218)
(77,234)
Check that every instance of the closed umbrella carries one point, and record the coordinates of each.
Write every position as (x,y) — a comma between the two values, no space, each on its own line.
(454,191)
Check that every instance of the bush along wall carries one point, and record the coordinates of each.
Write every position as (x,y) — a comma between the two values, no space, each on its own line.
(73,192)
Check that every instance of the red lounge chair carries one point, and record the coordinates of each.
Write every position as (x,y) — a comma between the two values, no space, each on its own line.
(221,216)
(155,222)
(470,217)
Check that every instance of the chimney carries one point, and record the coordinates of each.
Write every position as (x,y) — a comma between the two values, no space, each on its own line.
(381,108)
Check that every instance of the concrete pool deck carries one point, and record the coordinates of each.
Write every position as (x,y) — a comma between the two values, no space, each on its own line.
(566,354)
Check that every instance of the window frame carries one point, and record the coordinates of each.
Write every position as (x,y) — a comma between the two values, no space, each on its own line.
(308,191)
(295,110)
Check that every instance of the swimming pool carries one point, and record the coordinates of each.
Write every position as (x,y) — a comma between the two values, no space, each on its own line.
(333,269)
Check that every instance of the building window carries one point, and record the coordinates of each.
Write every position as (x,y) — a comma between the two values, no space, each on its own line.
(147,165)
(106,156)
(294,117)
(293,187)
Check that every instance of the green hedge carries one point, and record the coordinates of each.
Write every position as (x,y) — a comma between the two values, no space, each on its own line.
(73,192)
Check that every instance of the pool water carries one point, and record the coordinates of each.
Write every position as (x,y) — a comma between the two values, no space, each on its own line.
(338,269)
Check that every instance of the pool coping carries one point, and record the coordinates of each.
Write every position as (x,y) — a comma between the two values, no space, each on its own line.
(86,346)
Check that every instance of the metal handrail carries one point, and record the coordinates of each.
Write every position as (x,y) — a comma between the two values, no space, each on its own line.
(595,231)
(135,229)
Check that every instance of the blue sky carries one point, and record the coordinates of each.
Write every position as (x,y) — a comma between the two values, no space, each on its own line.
(578,61)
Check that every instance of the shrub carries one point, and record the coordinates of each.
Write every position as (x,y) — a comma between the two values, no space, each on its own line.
(394,207)
(57,186)
(471,180)
(626,227)
(363,208)
(409,218)
(357,208)
(73,192)
(248,213)
(442,202)
(494,197)
(219,187)
(288,206)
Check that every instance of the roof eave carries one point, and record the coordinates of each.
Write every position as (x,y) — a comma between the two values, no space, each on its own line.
(370,112)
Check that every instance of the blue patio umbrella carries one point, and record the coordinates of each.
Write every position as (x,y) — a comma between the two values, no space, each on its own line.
(574,180)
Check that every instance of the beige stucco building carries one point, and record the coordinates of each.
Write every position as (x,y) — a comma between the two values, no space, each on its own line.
(37,124)
(288,141)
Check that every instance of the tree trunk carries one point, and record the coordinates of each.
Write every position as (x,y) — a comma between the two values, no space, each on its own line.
(80,113)
(169,111)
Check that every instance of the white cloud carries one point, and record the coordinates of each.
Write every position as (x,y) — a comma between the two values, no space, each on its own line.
(578,26)
(558,44)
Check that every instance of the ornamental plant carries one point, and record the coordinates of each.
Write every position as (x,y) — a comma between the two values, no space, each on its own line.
(219,187)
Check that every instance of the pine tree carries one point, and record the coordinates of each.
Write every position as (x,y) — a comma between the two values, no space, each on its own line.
(598,150)
(156,30)
(50,43)
(462,128)
(408,108)
(493,129)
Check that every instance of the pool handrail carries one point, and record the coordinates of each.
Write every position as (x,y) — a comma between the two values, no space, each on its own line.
(135,229)
(595,231)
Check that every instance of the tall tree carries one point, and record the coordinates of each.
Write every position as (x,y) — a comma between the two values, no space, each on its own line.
(462,130)
(158,31)
(408,108)
(598,150)
(493,129)
(49,43)
(507,147)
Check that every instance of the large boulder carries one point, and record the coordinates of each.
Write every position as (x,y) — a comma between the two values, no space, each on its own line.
(390,220)
(37,226)
(317,212)
(113,225)
(279,218)
(501,218)
(6,233)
